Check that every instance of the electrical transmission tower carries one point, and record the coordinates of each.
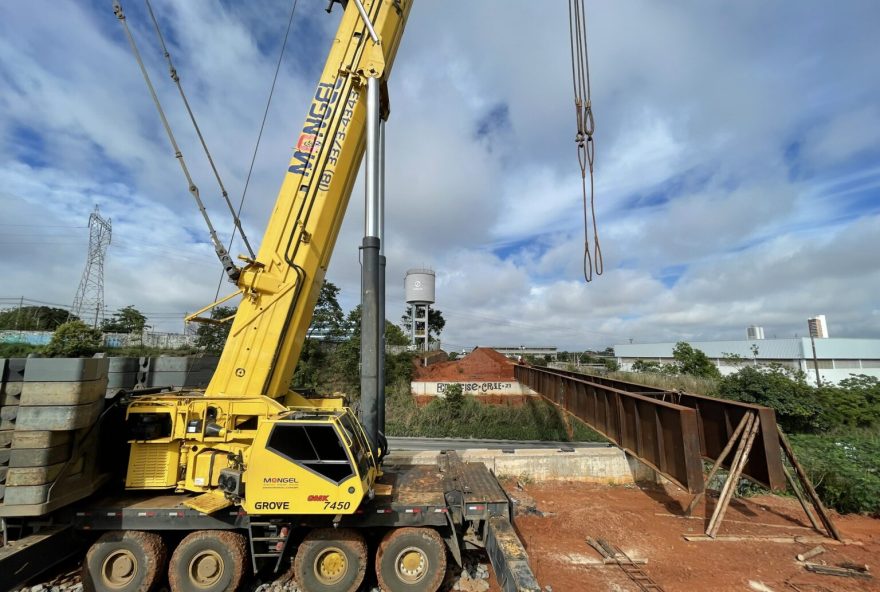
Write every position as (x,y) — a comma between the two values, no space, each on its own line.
(88,304)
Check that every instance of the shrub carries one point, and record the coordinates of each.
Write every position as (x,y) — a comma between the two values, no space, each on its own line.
(853,403)
(787,392)
(844,468)
(454,400)
(693,362)
(74,339)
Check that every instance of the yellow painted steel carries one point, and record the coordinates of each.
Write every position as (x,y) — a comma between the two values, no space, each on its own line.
(191,436)
(282,286)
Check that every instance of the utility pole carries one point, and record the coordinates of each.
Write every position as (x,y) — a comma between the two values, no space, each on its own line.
(18,314)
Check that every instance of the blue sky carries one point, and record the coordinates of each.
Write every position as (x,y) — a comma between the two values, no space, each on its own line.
(737,151)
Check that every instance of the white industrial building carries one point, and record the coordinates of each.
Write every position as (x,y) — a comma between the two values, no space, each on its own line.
(837,358)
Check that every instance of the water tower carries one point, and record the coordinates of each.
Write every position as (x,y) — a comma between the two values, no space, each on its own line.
(419,285)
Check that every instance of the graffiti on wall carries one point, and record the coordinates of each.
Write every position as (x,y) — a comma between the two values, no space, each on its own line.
(476,387)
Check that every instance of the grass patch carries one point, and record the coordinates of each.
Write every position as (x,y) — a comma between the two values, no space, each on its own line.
(680,382)
(535,420)
(18,350)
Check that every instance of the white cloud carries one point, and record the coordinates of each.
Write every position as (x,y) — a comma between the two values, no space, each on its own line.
(697,109)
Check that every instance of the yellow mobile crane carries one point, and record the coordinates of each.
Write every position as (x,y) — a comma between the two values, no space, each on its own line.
(248,468)
(245,439)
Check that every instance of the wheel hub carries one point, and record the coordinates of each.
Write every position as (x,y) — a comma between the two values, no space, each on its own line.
(119,568)
(206,568)
(411,565)
(331,566)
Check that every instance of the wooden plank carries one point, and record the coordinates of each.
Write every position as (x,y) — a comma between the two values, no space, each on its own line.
(739,461)
(808,486)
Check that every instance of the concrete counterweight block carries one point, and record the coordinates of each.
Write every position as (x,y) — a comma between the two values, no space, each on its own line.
(38,457)
(122,373)
(176,372)
(8,417)
(60,394)
(11,377)
(66,369)
(40,439)
(53,446)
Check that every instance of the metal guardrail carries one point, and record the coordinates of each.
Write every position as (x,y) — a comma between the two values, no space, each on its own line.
(671,431)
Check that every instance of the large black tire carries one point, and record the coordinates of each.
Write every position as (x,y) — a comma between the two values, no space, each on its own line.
(411,560)
(331,560)
(208,561)
(124,561)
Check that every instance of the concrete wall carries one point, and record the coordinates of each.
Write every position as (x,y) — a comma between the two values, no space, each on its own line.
(438,389)
(597,465)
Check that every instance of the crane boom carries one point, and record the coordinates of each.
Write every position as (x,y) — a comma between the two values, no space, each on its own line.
(282,285)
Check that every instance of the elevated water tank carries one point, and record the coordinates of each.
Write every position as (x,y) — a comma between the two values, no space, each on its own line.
(419,286)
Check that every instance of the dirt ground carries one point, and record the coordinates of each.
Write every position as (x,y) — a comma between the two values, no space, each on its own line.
(481,364)
(647,522)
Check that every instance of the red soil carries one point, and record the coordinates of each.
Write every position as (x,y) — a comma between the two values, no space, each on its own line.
(647,523)
(482,364)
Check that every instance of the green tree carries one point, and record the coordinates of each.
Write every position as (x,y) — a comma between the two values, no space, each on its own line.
(74,339)
(125,320)
(694,362)
(853,403)
(611,364)
(346,361)
(734,360)
(327,327)
(211,336)
(328,320)
(655,367)
(394,335)
(34,318)
(795,403)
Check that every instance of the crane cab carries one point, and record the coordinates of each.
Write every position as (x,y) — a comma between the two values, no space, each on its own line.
(308,461)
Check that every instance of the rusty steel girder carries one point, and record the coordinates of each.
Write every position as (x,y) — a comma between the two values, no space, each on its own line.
(671,431)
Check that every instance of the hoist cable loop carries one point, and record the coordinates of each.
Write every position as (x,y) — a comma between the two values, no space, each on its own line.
(586,125)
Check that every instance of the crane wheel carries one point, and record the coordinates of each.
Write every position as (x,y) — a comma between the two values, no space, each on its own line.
(208,561)
(411,560)
(124,561)
(331,560)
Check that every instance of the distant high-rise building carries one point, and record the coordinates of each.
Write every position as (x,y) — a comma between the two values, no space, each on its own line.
(755,332)
(818,328)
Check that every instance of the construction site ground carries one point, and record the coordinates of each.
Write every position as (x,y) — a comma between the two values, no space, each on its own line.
(647,522)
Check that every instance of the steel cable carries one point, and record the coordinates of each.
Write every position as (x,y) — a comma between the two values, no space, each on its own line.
(586,150)
(176,78)
(247,180)
(229,267)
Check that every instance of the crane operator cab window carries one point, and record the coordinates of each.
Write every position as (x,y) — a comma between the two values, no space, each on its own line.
(316,447)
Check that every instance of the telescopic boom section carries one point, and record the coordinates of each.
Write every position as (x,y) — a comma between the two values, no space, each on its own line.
(282,286)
